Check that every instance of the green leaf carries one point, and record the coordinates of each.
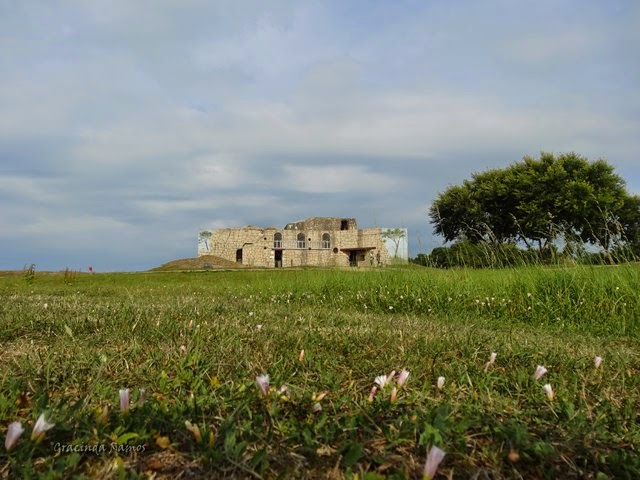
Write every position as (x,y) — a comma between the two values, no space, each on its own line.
(570,410)
(125,437)
(240,448)
(353,454)
(230,443)
(373,476)
(72,459)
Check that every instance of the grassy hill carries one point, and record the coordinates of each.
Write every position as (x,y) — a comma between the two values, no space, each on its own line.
(206,262)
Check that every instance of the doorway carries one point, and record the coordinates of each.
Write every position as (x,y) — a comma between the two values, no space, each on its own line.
(278,257)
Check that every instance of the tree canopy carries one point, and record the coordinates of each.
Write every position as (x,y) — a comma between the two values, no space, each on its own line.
(540,201)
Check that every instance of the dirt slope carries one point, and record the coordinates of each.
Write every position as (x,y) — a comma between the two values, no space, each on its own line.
(206,262)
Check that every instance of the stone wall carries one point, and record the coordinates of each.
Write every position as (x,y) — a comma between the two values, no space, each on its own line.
(297,245)
(323,223)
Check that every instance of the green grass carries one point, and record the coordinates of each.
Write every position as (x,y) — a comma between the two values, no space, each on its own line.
(193,342)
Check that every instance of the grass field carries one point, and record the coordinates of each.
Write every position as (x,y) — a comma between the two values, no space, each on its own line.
(196,341)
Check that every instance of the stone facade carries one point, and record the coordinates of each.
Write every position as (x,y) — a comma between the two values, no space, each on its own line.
(317,241)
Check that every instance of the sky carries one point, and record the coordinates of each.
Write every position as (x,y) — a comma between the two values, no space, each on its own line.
(128,127)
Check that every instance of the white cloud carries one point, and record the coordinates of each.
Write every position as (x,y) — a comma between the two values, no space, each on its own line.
(336,179)
(149,120)
(216,171)
(33,190)
(69,228)
(265,49)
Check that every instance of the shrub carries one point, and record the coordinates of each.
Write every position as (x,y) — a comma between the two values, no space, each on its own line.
(485,255)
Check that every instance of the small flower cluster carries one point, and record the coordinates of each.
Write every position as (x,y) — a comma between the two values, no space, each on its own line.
(262,381)
(16,429)
(381,381)
(548,389)
(435,455)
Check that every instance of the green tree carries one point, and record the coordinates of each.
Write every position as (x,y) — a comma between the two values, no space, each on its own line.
(630,225)
(540,201)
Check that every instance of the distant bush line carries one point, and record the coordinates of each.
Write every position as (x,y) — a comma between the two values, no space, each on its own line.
(487,255)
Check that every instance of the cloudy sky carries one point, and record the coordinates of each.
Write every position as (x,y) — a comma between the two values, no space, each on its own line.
(128,126)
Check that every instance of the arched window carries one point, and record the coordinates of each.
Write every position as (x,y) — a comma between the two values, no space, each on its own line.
(277,240)
(326,240)
(301,241)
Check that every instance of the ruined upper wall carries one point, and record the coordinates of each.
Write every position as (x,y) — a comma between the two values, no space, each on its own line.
(323,223)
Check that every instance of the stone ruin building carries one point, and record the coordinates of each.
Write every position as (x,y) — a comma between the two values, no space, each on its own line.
(316,241)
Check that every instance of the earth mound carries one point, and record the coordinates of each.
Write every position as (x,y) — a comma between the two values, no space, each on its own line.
(206,262)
